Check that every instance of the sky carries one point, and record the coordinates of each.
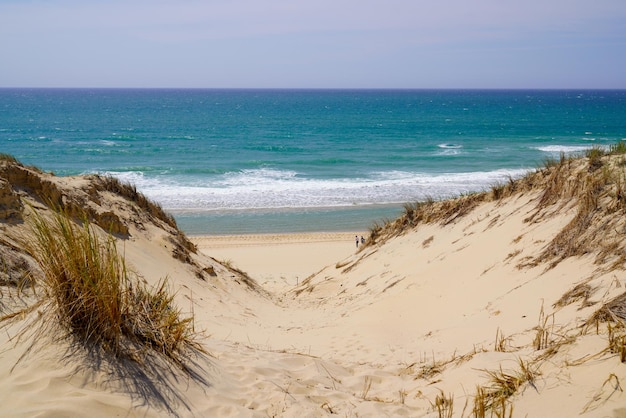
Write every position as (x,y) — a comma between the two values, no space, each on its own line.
(313,43)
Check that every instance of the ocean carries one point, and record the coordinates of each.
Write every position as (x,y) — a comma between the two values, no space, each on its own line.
(271,161)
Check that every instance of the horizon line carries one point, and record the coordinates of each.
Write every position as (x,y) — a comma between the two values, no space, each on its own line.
(323,88)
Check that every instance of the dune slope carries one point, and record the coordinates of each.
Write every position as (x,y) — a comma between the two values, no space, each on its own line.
(508,301)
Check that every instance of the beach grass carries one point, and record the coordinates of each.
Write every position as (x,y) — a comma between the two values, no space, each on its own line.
(503,385)
(96,299)
(444,405)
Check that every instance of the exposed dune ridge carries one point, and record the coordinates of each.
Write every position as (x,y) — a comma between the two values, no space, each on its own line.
(505,302)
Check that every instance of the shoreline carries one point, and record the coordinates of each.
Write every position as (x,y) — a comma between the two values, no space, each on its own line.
(293,221)
(275,237)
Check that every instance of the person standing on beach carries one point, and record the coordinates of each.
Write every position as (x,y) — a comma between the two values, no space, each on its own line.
(356,237)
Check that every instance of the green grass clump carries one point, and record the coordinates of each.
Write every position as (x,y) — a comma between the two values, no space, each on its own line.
(94,297)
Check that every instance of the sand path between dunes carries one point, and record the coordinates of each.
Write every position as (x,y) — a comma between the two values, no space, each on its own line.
(279,261)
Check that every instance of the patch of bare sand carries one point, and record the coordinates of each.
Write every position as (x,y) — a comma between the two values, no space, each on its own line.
(279,261)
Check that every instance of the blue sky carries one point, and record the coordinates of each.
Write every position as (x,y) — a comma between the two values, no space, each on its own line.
(313,44)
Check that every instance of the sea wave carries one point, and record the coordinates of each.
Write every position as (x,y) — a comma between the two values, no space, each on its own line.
(275,189)
(568,149)
(449,149)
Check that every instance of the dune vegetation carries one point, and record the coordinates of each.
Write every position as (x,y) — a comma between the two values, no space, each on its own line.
(88,289)
(596,183)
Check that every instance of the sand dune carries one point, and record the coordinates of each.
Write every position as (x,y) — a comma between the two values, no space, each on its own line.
(488,304)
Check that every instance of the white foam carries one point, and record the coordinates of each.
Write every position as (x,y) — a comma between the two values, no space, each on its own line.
(273,189)
(256,177)
(449,149)
(563,148)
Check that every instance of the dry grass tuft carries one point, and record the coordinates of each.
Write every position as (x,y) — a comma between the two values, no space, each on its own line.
(580,292)
(129,191)
(444,405)
(155,321)
(88,290)
(429,370)
(618,148)
(483,404)
(84,279)
(374,233)
(617,340)
(429,211)
(555,181)
(596,186)
(614,314)
(612,311)
(501,342)
(594,156)
(502,386)
(457,208)
(542,337)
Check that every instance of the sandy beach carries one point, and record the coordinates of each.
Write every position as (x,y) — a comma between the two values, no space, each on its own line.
(279,261)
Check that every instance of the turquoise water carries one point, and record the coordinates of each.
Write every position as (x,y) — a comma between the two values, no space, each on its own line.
(237,161)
